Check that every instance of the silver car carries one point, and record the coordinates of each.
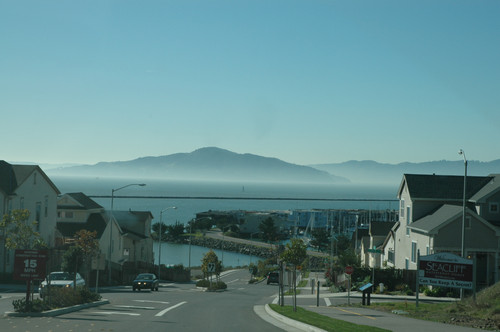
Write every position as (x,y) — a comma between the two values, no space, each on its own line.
(60,280)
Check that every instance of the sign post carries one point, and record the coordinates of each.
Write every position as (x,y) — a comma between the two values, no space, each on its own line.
(349,270)
(445,270)
(30,265)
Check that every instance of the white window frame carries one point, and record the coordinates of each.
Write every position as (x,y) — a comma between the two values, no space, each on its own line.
(494,207)
(414,251)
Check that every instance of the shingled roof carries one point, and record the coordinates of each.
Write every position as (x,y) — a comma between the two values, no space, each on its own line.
(12,176)
(95,222)
(132,222)
(443,187)
(86,203)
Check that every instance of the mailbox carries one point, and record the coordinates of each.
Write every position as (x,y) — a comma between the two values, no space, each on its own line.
(367,290)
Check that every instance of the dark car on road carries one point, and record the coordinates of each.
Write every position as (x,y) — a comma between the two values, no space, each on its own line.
(273,277)
(145,281)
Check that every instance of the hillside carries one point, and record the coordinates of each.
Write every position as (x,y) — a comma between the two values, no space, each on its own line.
(205,164)
(372,172)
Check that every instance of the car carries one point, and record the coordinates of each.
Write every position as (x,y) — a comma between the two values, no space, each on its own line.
(273,277)
(145,281)
(60,279)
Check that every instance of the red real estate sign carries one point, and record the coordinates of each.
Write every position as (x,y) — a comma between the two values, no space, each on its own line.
(30,264)
(446,270)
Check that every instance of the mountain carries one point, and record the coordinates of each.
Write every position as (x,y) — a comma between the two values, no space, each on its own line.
(377,173)
(205,164)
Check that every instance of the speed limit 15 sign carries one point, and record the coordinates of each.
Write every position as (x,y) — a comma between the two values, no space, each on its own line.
(30,264)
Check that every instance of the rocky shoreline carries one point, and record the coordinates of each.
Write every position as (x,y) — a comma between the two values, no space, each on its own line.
(244,248)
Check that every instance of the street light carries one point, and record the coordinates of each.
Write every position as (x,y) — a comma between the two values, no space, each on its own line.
(159,238)
(111,226)
(461,152)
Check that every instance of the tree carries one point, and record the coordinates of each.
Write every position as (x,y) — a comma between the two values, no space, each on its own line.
(295,253)
(156,229)
(21,235)
(320,239)
(175,231)
(268,229)
(89,247)
(211,257)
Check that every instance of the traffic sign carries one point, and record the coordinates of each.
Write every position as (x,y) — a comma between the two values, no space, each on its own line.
(211,267)
(30,264)
(349,269)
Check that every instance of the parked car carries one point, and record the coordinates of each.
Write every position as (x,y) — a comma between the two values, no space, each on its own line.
(146,281)
(60,280)
(273,277)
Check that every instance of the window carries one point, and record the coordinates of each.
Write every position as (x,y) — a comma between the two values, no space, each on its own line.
(407,264)
(408,210)
(414,252)
(46,207)
(21,203)
(494,207)
(427,250)
(68,214)
(390,256)
(402,208)
(38,215)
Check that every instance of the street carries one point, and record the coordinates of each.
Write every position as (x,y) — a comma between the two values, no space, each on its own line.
(178,307)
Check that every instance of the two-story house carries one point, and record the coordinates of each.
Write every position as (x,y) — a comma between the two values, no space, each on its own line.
(430,221)
(126,236)
(27,187)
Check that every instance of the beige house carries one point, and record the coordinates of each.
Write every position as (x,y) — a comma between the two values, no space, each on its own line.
(430,221)
(126,235)
(27,187)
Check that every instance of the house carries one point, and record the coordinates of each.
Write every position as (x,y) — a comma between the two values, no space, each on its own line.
(430,221)
(125,235)
(372,243)
(27,187)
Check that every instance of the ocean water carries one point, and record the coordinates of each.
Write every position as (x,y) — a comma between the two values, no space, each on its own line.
(191,197)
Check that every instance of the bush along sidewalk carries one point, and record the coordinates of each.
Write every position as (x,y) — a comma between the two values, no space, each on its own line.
(59,298)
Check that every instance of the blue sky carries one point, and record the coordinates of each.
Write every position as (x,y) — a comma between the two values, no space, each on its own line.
(310,81)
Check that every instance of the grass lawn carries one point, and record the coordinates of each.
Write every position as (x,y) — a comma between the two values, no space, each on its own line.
(323,322)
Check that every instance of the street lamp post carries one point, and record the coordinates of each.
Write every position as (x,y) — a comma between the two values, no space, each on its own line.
(159,239)
(461,152)
(111,225)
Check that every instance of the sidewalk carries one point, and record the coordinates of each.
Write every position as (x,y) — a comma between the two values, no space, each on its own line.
(364,315)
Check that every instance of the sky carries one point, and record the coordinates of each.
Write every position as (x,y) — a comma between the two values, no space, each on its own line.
(308,82)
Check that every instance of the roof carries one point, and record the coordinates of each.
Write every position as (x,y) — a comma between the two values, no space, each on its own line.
(381,228)
(95,222)
(442,216)
(442,187)
(132,221)
(12,176)
(85,202)
(489,189)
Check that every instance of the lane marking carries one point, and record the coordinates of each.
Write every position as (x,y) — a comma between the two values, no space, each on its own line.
(116,313)
(134,307)
(355,313)
(327,302)
(162,302)
(163,312)
(230,282)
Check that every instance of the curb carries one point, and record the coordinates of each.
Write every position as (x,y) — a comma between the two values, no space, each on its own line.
(292,322)
(57,312)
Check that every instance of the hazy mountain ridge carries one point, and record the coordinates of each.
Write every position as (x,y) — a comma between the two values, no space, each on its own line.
(369,171)
(205,163)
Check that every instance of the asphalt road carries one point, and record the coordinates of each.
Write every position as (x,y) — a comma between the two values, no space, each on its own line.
(175,307)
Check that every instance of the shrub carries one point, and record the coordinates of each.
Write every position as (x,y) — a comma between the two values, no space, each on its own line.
(203,283)
(59,298)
